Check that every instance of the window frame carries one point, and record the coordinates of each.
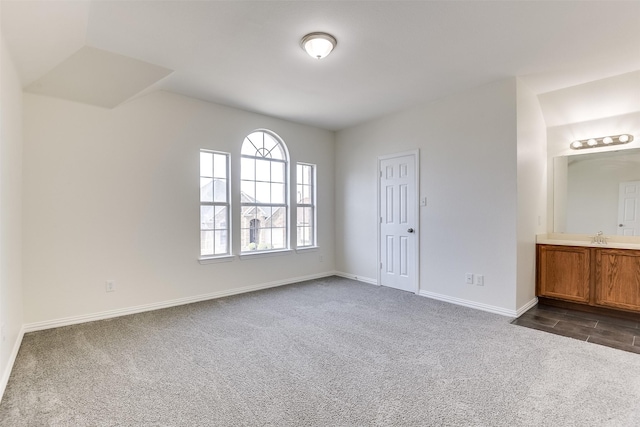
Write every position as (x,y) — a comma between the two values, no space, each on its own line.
(227,204)
(312,205)
(286,204)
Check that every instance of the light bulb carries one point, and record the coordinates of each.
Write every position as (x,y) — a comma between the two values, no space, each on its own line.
(623,138)
(576,144)
(607,140)
(592,142)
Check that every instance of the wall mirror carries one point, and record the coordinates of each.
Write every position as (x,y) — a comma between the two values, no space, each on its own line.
(598,192)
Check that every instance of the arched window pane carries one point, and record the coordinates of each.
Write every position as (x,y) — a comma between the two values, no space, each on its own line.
(263,145)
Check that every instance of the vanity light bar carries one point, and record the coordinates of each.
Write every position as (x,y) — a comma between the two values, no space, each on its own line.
(605,141)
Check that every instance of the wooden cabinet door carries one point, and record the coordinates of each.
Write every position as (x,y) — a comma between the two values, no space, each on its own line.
(618,278)
(564,272)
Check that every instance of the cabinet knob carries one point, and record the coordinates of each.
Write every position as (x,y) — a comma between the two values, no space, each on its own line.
(620,225)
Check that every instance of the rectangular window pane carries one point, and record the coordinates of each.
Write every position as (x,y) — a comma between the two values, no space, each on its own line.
(279,217)
(245,244)
(219,166)
(263,192)
(206,242)
(307,175)
(206,164)
(278,236)
(221,218)
(303,236)
(206,189)
(249,190)
(277,193)
(220,190)
(265,239)
(263,170)
(306,194)
(206,217)
(220,245)
(247,214)
(304,216)
(300,234)
(248,169)
(299,193)
(265,213)
(277,172)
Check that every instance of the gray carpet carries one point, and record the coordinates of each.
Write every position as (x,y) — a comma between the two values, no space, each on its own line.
(329,352)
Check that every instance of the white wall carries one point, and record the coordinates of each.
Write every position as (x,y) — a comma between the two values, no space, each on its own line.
(557,175)
(532,189)
(11,315)
(468,173)
(560,137)
(113,195)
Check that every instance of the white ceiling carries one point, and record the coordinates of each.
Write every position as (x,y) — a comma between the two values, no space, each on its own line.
(97,77)
(611,97)
(391,55)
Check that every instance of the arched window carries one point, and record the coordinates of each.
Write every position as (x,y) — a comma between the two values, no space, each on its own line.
(264,220)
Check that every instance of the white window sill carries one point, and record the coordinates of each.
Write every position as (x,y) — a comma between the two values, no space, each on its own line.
(307,249)
(264,254)
(216,259)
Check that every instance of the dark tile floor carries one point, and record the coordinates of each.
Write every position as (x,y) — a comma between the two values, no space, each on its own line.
(596,328)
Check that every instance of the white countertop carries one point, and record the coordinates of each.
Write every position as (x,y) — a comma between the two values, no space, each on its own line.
(613,242)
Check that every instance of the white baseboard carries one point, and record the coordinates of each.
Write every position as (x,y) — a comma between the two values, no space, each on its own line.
(12,359)
(526,307)
(355,277)
(73,320)
(467,303)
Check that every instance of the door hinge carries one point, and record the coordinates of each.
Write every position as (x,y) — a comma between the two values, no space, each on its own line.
(380,174)
(380,220)
(380,266)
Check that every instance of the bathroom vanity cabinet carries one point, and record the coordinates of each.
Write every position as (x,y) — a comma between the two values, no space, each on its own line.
(590,276)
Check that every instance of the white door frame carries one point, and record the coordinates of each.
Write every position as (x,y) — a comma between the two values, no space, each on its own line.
(416,158)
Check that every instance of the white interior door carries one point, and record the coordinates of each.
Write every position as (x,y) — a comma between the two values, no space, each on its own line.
(398,222)
(629,209)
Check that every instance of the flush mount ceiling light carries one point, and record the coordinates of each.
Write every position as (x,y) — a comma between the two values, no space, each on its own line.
(318,45)
(601,142)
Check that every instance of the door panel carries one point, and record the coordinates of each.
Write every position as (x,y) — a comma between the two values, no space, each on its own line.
(398,202)
(629,209)
(618,278)
(564,272)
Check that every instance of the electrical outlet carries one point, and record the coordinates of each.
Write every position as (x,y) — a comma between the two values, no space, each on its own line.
(479,280)
(468,278)
(110,286)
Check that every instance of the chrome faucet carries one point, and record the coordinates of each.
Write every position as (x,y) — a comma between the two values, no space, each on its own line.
(599,239)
